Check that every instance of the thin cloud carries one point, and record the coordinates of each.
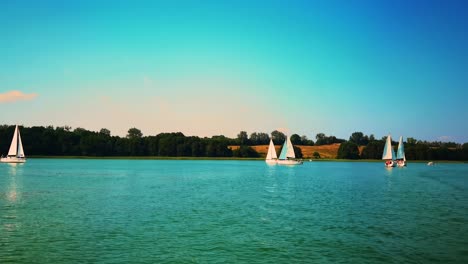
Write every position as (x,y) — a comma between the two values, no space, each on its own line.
(14,96)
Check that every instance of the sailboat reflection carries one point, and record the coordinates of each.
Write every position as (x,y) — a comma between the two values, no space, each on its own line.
(12,193)
(12,197)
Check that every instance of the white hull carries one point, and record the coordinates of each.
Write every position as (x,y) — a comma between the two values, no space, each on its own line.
(390,164)
(289,162)
(13,160)
(271,161)
(401,163)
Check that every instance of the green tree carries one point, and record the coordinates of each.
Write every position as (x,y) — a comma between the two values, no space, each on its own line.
(278,137)
(134,143)
(105,131)
(373,150)
(359,138)
(242,138)
(421,152)
(297,152)
(320,139)
(296,139)
(245,152)
(348,150)
(316,155)
(259,138)
(306,141)
(134,133)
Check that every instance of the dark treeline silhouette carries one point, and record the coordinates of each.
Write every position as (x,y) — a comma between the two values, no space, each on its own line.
(63,141)
(81,142)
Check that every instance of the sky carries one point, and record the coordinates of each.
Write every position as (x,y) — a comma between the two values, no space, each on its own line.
(209,68)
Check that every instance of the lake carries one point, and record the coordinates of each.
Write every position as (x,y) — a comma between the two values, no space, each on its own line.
(202,211)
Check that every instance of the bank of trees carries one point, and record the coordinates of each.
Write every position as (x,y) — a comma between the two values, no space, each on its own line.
(65,141)
(414,149)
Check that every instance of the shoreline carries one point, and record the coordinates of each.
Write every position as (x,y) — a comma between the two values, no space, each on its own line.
(224,158)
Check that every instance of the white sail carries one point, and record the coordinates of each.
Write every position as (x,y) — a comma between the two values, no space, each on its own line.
(389,153)
(401,150)
(14,144)
(271,151)
(287,156)
(290,153)
(288,150)
(20,153)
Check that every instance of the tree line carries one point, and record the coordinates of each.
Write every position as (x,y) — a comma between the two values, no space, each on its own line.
(414,149)
(65,141)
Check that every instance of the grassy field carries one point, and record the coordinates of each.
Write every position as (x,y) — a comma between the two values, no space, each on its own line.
(325,151)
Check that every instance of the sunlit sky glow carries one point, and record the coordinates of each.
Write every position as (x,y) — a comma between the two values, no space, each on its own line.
(217,67)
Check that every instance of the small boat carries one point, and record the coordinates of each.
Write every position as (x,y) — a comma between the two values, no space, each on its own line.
(400,156)
(287,155)
(388,153)
(430,163)
(16,152)
(271,157)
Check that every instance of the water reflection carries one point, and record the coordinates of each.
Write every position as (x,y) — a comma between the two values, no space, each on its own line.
(271,184)
(12,196)
(14,168)
(388,171)
(269,194)
(12,193)
(15,171)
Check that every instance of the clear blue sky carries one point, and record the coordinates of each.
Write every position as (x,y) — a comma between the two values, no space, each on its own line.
(217,67)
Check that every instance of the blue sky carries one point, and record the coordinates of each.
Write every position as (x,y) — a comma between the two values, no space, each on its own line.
(217,67)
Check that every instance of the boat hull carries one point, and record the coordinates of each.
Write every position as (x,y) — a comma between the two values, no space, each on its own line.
(289,162)
(401,163)
(13,160)
(390,164)
(271,161)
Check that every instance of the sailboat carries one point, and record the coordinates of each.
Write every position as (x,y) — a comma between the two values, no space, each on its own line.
(16,152)
(271,157)
(388,153)
(400,156)
(287,156)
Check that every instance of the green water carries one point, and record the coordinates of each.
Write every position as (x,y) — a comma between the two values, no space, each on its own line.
(156,211)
